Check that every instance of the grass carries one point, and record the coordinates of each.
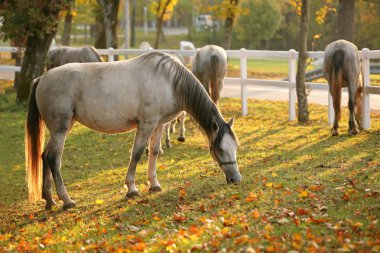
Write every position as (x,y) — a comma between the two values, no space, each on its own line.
(302,189)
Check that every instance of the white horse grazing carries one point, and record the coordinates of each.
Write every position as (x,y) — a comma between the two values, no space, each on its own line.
(210,67)
(143,93)
(342,68)
(62,55)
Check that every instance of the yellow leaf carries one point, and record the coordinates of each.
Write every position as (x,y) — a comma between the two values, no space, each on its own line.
(303,194)
(99,201)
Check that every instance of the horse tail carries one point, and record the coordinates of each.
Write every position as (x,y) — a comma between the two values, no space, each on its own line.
(214,84)
(34,143)
(337,79)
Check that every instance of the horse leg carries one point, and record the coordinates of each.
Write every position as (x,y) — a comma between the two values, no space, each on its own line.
(336,105)
(154,146)
(172,125)
(143,133)
(53,156)
(167,136)
(47,183)
(353,126)
(182,129)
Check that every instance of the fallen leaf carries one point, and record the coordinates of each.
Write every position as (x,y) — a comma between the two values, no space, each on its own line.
(179,217)
(255,213)
(99,201)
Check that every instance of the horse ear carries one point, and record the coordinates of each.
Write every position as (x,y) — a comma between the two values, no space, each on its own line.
(231,122)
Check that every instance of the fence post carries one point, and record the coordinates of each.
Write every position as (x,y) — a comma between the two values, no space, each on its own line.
(292,83)
(243,81)
(366,83)
(110,54)
(330,109)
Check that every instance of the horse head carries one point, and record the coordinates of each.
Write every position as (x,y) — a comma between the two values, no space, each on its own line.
(223,144)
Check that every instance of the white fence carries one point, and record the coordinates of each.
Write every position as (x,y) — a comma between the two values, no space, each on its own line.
(244,55)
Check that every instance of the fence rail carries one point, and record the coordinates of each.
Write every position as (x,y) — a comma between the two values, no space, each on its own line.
(366,55)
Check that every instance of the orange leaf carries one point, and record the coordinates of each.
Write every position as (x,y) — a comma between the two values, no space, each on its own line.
(251,197)
(179,217)
(255,213)
(241,239)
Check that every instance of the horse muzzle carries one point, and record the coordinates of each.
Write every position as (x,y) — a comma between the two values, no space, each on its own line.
(234,179)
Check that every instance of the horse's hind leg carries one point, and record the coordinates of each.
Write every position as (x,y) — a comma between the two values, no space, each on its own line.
(47,183)
(154,146)
(353,126)
(167,136)
(53,154)
(336,105)
(182,118)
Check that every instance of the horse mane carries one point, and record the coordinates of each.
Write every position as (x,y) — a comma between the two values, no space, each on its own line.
(191,95)
(98,56)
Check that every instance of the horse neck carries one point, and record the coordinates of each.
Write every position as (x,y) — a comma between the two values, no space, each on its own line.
(195,100)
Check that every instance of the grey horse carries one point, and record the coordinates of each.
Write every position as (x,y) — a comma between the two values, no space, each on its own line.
(61,55)
(210,67)
(342,68)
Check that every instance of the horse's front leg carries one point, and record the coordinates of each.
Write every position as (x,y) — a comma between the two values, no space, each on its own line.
(154,147)
(143,133)
(182,118)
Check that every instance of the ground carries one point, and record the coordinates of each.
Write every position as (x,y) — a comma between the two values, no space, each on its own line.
(302,190)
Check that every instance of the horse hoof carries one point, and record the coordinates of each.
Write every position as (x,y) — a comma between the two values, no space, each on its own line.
(334,132)
(171,130)
(354,131)
(181,139)
(161,151)
(69,205)
(131,195)
(49,205)
(155,189)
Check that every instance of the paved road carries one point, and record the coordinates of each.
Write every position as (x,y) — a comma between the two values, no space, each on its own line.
(267,93)
(263,92)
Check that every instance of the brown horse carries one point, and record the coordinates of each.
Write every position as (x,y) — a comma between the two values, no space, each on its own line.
(342,68)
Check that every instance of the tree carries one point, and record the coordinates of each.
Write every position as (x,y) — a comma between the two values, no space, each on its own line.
(259,24)
(346,20)
(163,10)
(67,23)
(303,111)
(110,10)
(34,24)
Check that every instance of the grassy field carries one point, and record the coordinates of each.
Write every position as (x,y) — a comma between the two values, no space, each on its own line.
(302,190)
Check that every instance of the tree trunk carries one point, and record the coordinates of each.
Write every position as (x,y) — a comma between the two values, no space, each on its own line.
(160,23)
(228,25)
(133,24)
(110,11)
(303,112)
(100,34)
(67,27)
(346,20)
(33,63)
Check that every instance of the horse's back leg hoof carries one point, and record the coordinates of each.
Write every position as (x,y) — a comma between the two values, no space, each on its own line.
(131,195)
(354,131)
(155,189)
(69,204)
(334,132)
(181,139)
